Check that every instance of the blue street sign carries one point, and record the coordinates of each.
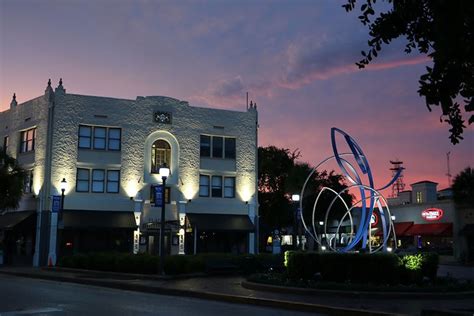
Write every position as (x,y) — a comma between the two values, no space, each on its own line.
(56,204)
(158,192)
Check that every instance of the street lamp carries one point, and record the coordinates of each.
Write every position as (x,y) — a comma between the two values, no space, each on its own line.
(164,172)
(63,187)
(295,198)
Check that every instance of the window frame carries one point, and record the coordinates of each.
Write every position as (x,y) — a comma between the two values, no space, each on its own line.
(83,180)
(215,150)
(119,139)
(28,181)
(232,187)
(93,181)
(94,137)
(203,185)
(6,143)
(154,168)
(113,181)
(25,141)
(216,187)
(84,137)
(205,146)
(233,153)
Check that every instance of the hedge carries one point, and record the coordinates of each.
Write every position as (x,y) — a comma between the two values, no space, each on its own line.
(175,264)
(379,268)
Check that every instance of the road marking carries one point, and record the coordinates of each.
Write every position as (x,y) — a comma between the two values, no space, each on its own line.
(32,311)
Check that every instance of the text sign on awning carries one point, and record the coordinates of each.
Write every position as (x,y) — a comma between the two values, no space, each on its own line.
(432,214)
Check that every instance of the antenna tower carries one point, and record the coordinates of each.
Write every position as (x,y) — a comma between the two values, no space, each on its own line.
(398,186)
(449,169)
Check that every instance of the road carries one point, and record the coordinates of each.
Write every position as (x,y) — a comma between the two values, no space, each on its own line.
(23,296)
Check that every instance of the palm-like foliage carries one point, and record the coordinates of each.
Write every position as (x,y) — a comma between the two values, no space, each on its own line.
(11,182)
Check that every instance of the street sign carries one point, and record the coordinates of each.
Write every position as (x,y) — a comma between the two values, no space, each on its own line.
(158,192)
(56,207)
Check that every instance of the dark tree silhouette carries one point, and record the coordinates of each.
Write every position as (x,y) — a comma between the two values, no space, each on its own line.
(444,31)
(11,182)
(463,187)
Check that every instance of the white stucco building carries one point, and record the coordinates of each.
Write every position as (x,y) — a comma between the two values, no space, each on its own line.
(109,151)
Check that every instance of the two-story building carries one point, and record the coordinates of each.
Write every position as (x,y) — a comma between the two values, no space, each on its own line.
(108,151)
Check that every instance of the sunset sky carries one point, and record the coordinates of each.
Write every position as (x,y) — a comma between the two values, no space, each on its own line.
(295,58)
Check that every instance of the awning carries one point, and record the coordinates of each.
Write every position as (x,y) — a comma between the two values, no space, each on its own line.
(11,219)
(401,229)
(467,230)
(220,222)
(437,229)
(98,219)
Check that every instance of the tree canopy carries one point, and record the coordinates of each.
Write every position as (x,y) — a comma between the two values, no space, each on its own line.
(463,187)
(444,31)
(280,175)
(11,182)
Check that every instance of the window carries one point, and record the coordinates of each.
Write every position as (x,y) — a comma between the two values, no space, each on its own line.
(113,181)
(6,141)
(229,187)
(167,195)
(99,137)
(419,197)
(98,178)
(222,147)
(27,140)
(160,154)
(229,148)
(216,186)
(205,146)
(85,135)
(28,182)
(203,185)
(82,180)
(114,138)
(217,146)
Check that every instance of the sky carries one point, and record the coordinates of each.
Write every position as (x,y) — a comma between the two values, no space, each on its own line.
(295,58)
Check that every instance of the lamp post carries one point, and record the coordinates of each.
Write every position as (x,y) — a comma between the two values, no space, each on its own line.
(164,172)
(295,198)
(63,187)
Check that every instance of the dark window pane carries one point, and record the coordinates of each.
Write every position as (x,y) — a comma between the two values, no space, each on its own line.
(230,148)
(204,185)
(229,187)
(113,180)
(98,180)
(99,138)
(217,146)
(216,186)
(205,146)
(82,180)
(114,138)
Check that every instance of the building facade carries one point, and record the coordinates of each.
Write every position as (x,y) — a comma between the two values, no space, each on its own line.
(109,152)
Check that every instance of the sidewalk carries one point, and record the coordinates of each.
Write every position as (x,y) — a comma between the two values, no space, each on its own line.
(229,289)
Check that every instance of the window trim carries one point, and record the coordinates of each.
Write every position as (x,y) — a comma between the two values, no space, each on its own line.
(208,186)
(215,187)
(233,188)
(104,138)
(88,180)
(27,140)
(154,168)
(103,181)
(110,138)
(224,147)
(89,137)
(107,181)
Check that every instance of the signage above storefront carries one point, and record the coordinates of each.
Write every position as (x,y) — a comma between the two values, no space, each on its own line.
(432,214)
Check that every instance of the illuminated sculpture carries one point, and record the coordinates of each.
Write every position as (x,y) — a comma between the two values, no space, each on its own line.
(372,203)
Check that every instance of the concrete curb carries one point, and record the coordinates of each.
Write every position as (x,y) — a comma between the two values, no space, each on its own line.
(357,294)
(288,305)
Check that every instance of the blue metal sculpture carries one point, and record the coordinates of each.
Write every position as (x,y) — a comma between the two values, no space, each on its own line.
(371,201)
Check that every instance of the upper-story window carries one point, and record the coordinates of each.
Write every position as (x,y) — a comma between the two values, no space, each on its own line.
(28,182)
(99,137)
(419,197)
(160,154)
(27,140)
(217,147)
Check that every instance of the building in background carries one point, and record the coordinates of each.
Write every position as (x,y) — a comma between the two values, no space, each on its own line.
(109,152)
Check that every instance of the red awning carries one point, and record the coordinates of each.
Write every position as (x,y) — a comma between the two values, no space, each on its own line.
(400,228)
(438,229)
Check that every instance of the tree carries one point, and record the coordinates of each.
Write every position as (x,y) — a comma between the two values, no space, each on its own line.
(11,182)
(463,187)
(444,31)
(280,175)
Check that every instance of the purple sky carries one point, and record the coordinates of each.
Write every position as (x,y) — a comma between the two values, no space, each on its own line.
(295,58)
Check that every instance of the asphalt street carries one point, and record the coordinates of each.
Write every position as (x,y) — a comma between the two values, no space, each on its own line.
(24,296)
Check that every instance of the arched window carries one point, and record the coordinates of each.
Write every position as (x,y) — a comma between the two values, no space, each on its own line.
(160,154)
